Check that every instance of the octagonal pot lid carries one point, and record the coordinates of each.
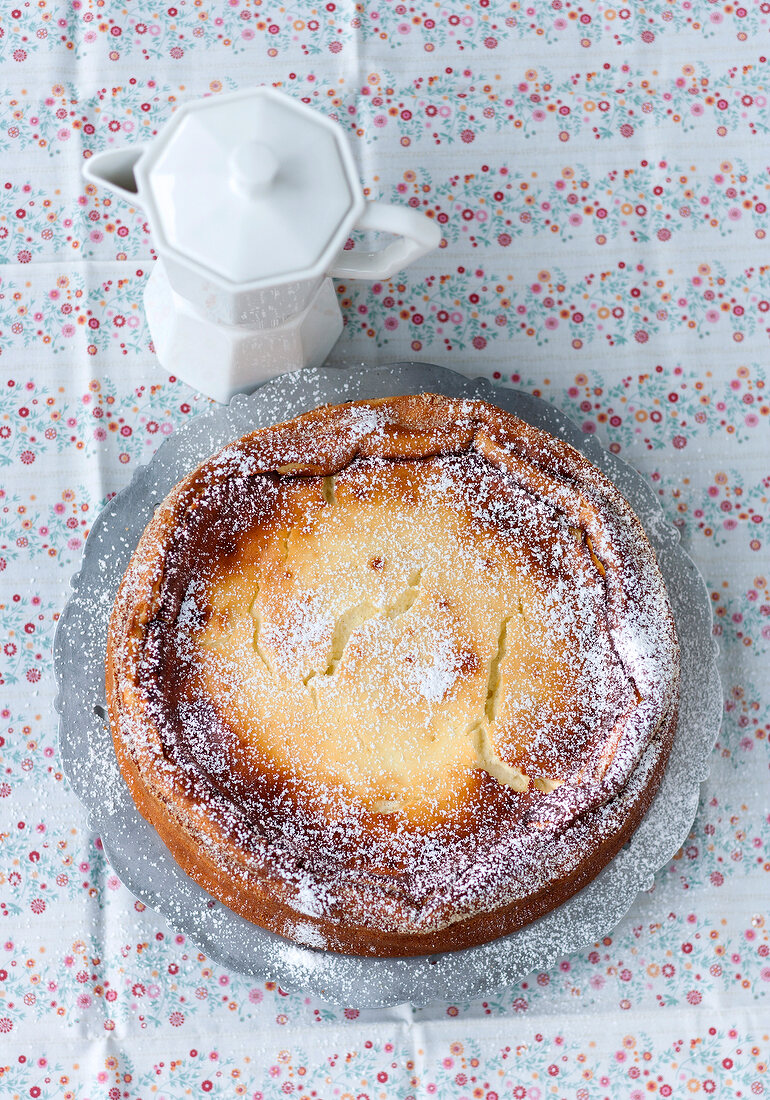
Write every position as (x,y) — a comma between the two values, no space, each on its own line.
(254,186)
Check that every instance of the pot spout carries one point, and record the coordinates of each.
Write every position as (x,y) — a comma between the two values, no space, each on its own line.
(114,170)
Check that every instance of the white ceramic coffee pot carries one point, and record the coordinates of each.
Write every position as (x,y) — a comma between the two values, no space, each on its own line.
(250,198)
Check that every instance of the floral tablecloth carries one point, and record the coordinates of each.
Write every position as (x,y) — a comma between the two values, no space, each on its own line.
(601,177)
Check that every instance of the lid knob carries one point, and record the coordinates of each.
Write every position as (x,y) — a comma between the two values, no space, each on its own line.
(253,167)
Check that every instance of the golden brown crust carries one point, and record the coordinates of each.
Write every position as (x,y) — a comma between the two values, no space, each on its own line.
(574,829)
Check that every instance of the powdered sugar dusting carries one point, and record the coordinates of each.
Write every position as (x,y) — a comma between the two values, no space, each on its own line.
(433,676)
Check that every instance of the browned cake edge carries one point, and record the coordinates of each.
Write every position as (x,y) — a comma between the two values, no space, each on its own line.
(259,908)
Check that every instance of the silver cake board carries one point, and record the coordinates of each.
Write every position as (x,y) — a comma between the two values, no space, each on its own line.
(145,865)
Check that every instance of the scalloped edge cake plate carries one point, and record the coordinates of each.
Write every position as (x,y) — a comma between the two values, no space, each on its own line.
(147,868)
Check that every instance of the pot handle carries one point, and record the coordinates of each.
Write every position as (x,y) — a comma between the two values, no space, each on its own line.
(416,236)
(114,169)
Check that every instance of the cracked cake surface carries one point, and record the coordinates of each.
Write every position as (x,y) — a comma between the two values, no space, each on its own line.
(394,677)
